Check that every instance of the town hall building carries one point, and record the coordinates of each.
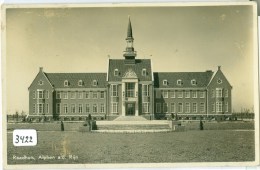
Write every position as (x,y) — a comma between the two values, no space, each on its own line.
(130,87)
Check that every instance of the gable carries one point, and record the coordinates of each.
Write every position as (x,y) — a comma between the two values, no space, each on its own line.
(40,81)
(219,79)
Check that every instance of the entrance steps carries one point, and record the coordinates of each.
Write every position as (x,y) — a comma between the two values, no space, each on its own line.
(130,118)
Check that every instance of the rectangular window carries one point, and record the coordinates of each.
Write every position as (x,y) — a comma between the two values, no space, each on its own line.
(72,95)
(219,107)
(34,94)
(114,92)
(34,108)
(172,107)
(165,107)
(187,94)
(87,95)
(80,94)
(80,108)
(145,107)
(202,94)
(102,108)
(102,95)
(114,107)
(165,94)
(130,89)
(40,108)
(194,94)
(172,94)
(94,108)
(47,94)
(180,107)
(73,108)
(158,107)
(194,107)
(226,107)
(66,95)
(158,94)
(145,89)
(187,107)
(40,94)
(65,108)
(58,95)
(180,94)
(202,107)
(47,108)
(87,108)
(94,95)
(212,93)
(58,108)
(218,92)
(213,107)
(226,92)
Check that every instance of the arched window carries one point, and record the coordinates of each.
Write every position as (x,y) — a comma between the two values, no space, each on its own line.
(179,82)
(80,83)
(95,82)
(193,82)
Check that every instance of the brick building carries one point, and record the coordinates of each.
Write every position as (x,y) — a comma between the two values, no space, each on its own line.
(129,88)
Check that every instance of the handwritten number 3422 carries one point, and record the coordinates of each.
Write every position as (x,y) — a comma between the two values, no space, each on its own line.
(23,139)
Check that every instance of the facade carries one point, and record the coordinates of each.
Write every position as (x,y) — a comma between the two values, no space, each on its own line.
(129,88)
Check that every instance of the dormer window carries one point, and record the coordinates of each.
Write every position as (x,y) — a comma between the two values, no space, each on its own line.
(144,73)
(179,82)
(116,73)
(165,82)
(66,83)
(80,83)
(94,83)
(40,82)
(193,82)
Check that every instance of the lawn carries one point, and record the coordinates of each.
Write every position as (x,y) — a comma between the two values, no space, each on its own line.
(188,146)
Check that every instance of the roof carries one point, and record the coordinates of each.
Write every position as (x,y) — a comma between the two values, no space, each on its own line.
(202,79)
(123,68)
(57,79)
(129,29)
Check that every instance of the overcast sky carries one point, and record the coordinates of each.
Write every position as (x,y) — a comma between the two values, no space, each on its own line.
(177,39)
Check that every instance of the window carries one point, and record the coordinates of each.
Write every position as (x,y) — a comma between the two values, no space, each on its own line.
(58,108)
(187,94)
(94,83)
(114,92)
(226,107)
(145,107)
(47,94)
(40,94)
(66,83)
(80,83)
(65,95)
(202,107)
(202,94)
(158,107)
(87,108)
(58,95)
(165,94)
(219,107)
(218,92)
(40,108)
(187,107)
(34,108)
(219,81)
(172,94)
(102,94)
(180,107)
(213,107)
(34,94)
(193,82)
(226,92)
(116,73)
(165,82)
(165,107)
(194,107)
(158,94)
(145,90)
(194,94)
(212,93)
(172,107)
(73,108)
(180,94)
(40,82)
(94,95)
(87,95)
(130,89)
(65,108)
(73,95)
(114,107)
(80,108)
(144,73)
(102,108)
(47,108)
(80,95)
(179,82)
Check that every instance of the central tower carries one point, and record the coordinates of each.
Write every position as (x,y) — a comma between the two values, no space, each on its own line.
(129,53)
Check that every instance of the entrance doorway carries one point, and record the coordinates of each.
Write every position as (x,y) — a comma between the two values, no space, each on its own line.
(130,109)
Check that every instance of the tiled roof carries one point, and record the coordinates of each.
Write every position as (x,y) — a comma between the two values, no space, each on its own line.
(123,68)
(57,79)
(202,79)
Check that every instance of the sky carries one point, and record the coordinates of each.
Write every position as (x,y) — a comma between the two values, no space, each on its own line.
(177,39)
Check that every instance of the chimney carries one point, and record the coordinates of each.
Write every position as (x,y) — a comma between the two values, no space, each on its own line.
(41,69)
(219,67)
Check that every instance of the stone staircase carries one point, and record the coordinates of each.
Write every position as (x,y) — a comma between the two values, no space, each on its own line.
(130,118)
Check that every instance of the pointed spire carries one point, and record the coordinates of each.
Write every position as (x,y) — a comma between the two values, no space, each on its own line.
(129,29)
(129,52)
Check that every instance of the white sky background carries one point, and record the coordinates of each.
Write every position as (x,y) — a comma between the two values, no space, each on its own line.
(177,39)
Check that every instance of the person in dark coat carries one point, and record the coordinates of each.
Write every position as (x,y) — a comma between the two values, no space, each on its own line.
(62,125)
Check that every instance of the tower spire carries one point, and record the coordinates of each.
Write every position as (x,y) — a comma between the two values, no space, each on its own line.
(129,53)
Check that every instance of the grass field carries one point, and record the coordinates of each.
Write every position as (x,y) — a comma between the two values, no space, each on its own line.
(188,146)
